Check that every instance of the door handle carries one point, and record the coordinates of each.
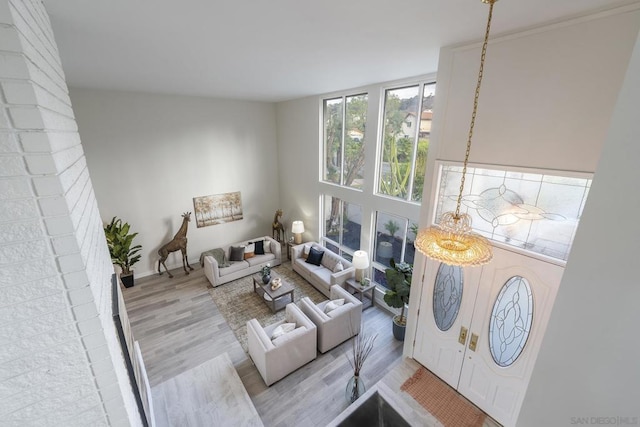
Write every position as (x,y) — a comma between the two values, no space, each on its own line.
(474,342)
(462,338)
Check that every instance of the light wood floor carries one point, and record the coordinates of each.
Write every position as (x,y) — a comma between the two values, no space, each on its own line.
(179,327)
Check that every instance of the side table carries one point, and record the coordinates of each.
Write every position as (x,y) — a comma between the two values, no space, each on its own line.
(364,293)
(290,245)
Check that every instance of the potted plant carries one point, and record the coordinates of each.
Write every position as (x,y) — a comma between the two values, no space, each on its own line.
(397,296)
(123,254)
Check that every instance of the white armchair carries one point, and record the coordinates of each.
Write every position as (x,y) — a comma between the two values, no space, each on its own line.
(339,324)
(277,358)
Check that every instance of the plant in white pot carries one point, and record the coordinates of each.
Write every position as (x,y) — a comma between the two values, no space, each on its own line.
(397,296)
(123,254)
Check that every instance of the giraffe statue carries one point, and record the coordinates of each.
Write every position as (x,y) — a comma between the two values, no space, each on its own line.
(277,227)
(179,242)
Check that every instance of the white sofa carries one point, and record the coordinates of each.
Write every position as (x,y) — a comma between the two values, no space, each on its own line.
(322,276)
(278,358)
(219,275)
(339,324)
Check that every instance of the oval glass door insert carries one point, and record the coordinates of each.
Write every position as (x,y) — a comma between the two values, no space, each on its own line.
(511,320)
(447,295)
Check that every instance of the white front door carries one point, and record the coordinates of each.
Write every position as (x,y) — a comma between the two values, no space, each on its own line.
(505,306)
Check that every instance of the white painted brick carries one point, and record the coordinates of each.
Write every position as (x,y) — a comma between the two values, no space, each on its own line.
(40,164)
(59,226)
(90,326)
(35,142)
(25,311)
(63,140)
(18,209)
(65,245)
(8,143)
(9,40)
(80,296)
(17,294)
(26,118)
(71,263)
(4,120)
(47,185)
(66,158)
(19,231)
(23,251)
(76,280)
(19,92)
(5,13)
(53,206)
(84,311)
(12,166)
(13,66)
(23,347)
(93,341)
(14,188)
(52,357)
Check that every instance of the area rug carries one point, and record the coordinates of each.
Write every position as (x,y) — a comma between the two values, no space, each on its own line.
(238,303)
(442,401)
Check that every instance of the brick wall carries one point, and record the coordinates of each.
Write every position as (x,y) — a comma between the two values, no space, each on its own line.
(60,361)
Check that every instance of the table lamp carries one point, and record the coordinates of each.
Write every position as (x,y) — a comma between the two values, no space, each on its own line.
(360,262)
(297,228)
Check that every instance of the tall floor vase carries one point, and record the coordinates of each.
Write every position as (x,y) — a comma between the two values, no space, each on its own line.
(355,389)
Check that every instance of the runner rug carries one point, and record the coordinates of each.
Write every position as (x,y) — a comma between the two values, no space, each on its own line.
(238,303)
(442,401)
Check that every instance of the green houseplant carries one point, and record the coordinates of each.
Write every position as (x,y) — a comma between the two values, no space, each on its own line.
(397,296)
(121,249)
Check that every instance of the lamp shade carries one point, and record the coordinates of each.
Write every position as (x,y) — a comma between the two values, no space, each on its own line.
(297,227)
(360,260)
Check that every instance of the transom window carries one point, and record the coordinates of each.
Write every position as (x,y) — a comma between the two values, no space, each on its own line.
(344,128)
(405,141)
(531,211)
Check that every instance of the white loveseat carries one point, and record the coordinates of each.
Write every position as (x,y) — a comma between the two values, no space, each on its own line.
(219,274)
(322,276)
(277,358)
(339,324)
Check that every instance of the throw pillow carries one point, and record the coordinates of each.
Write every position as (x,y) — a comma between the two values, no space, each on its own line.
(282,329)
(305,252)
(236,253)
(333,304)
(267,247)
(249,247)
(259,247)
(315,256)
(338,267)
(248,255)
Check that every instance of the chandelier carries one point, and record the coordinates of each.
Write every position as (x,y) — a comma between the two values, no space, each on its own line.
(453,241)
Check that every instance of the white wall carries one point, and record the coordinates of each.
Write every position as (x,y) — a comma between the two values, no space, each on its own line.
(149,155)
(60,359)
(588,364)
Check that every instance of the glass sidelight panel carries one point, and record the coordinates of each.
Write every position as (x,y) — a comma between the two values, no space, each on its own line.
(511,320)
(447,295)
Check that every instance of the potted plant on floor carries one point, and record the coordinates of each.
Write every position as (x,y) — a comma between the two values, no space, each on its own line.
(123,254)
(397,296)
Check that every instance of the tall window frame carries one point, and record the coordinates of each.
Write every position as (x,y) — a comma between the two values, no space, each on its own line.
(342,225)
(406,117)
(344,121)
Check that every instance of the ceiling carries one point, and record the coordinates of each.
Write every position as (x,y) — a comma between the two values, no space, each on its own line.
(275,50)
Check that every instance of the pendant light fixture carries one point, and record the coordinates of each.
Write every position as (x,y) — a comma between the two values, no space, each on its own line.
(453,241)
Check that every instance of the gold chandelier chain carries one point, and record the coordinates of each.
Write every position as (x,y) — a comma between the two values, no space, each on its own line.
(475,105)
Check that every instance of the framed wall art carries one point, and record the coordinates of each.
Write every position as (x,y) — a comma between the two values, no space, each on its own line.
(217,209)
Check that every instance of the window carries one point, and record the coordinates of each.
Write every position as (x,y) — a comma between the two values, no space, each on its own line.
(394,237)
(342,226)
(405,141)
(531,211)
(344,127)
